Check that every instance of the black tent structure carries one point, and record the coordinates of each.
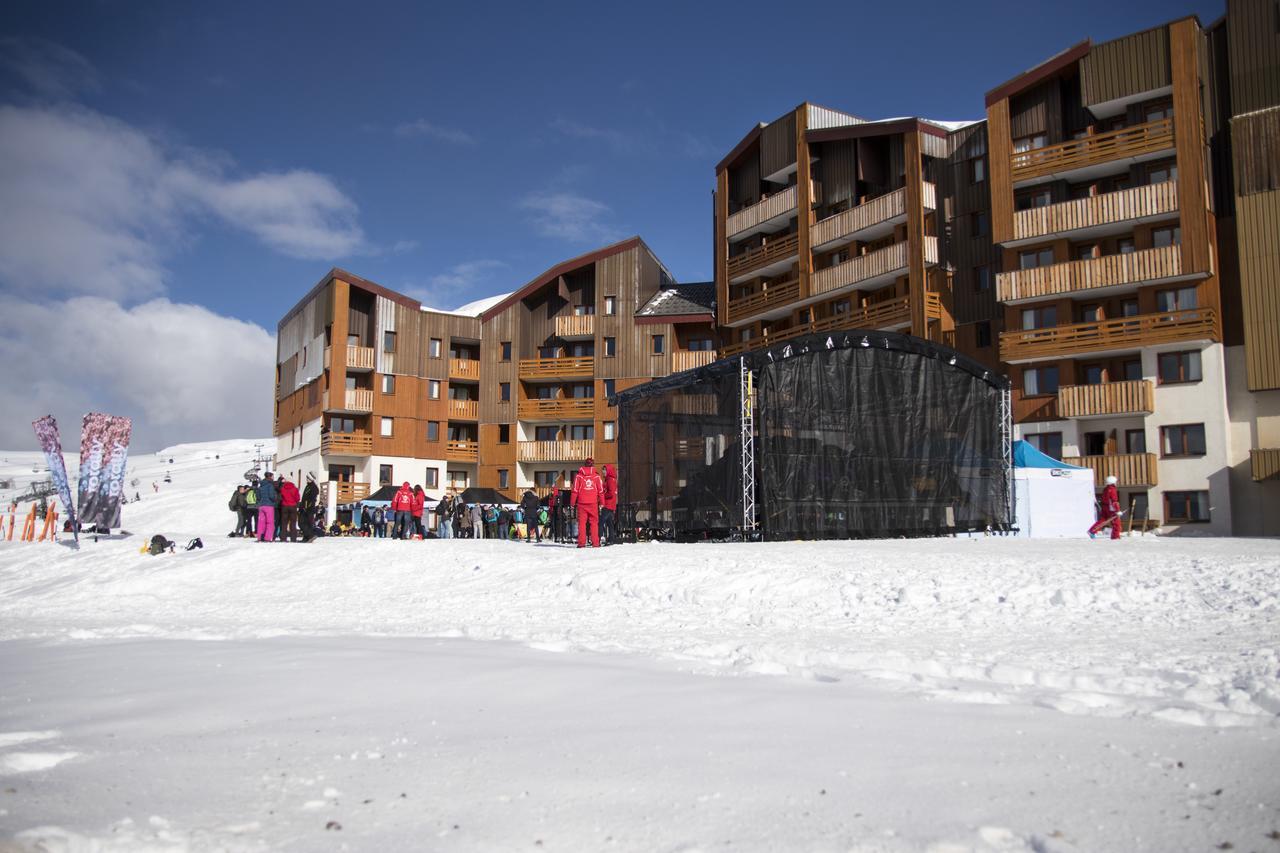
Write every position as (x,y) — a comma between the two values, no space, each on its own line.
(851,434)
(478,495)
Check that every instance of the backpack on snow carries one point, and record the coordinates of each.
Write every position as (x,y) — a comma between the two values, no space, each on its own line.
(159,545)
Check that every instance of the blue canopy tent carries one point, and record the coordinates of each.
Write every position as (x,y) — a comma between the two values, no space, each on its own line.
(1051,498)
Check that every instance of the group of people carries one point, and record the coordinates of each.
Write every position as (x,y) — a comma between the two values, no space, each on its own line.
(273,509)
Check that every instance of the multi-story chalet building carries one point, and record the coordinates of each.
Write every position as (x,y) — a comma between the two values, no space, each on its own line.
(1108,236)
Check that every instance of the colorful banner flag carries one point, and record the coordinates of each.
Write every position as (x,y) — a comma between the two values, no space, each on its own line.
(51,443)
(104,451)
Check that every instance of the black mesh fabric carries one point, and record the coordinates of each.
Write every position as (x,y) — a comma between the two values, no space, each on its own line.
(861,434)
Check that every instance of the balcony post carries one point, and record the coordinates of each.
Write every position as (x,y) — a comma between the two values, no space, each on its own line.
(915,233)
(804,199)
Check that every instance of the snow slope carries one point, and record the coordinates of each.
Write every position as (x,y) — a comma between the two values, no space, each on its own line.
(1184,630)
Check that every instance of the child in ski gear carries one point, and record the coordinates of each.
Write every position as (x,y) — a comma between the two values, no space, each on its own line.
(1110,510)
(609,506)
(585,498)
(267,497)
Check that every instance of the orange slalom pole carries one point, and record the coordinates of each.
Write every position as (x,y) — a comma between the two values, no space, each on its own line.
(50,528)
(29,527)
(13,508)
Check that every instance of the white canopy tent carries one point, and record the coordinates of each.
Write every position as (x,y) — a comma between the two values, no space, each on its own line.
(1051,499)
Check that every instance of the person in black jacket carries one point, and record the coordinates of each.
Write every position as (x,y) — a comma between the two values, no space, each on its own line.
(310,497)
(529,505)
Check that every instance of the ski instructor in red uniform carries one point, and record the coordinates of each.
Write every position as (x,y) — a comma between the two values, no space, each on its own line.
(588,491)
(1110,511)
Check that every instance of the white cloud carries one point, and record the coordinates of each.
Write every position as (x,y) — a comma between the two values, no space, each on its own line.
(460,283)
(425,129)
(48,69)
(569,216)
(615,139)
(182,372)
(95,205)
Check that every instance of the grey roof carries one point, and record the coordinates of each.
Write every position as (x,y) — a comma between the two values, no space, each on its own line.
(694,298)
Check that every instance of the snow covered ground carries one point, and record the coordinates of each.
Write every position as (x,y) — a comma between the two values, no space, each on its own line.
(928,687)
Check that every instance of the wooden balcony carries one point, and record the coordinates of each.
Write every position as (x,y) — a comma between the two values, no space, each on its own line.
(1266,463)
(752,217)
(346,493)
(461,451)
(887,315)
(573,326)
(464,410)
(346,444)
(583,367)
(1126,333)
(1136,268)
(569,409)
(1136,204)
(467,369)
(683,359)
(1129,469)
(868,220)
(1127,143)
(770,297)
(871,270)
(349,400)
(1132,397)
(774,251)
(360,358)
(570,450)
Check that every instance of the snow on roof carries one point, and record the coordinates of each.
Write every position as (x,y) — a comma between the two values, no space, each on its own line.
(692,298)
(472,309)
(954,125)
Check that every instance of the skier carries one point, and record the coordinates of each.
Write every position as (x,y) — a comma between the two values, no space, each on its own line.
(266,508)
(402,506)
(609,506)
(289,498)
(238,506)
(529,508)
(444,517)
(1110,511)
(310,497)
(419,503)
(585,498)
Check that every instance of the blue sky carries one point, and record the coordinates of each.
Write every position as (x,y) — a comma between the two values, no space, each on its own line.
(450,151)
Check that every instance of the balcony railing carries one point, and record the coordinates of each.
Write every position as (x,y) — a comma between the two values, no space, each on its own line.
(576,326)
(1134,268)
(557,410)
(464,410)
(889,314)
(1131,397)
(558,368)
(848,224)
(464,368)
(1090,150)
(360,358)
(871,267)
(351,400)
(461,451)
(1129,469)
(345,493)
(683,359)
(772,251)
(346,444)
(769,297)
(570,450)
(1265,462)
(1197,324)
(762,211)
(1135,203)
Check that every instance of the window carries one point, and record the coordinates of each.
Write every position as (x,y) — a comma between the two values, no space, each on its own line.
(610,347)
(584,310)
(1182,440)
(385,427)
(1048,443)
(1093,374)
(611,305)
(582,432)
(545,392)
(350,382)
(1131,369)
(1124,246)
(837,308)
(1162,173)
(981,224)
(504,478)
(388,384)
(982,278)
(1035,258)
(1172,367)
(433,478)
(1037,381)
(433,430)
(1086,251)
(433,389)
(504,392)
(582,390)
(1033,198)
(982,334)
(978,170)
(1028,143)
(609,387)
(1178,299)
(1045,317)
(342,425)
(506,350)
(459,480)
(659,343)
(1157,111)
(548,352)
(1182,507)
(545,479)
(388,342)
(545,433)
(354,340)
(1135,441)
(1095,443)
(582,349)
(1129,308)
(707,345)
(435,347)
(1162,237)
(504,433)
(1090,313)
(384,475)
(610,430)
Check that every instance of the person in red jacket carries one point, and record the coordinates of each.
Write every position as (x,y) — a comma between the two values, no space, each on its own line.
(1110,510)
(290,497)
(609,506)
(419,501)
(402,506)
(588,490)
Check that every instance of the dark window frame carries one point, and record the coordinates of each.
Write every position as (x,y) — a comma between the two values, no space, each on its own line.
(1184,441)
(1185,497)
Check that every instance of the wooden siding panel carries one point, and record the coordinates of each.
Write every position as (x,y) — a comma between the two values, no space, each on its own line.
(836,169)
(1253,37)
(1258,225)
(742,184)
(1189,143)
(410,346)
(1255,145)
(721,248)
(1000,170)
(1029,112)
(778,145)
(804,200)
(493,371)
(1126,66)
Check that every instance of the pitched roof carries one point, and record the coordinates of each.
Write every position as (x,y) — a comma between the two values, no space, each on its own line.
(680,299)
